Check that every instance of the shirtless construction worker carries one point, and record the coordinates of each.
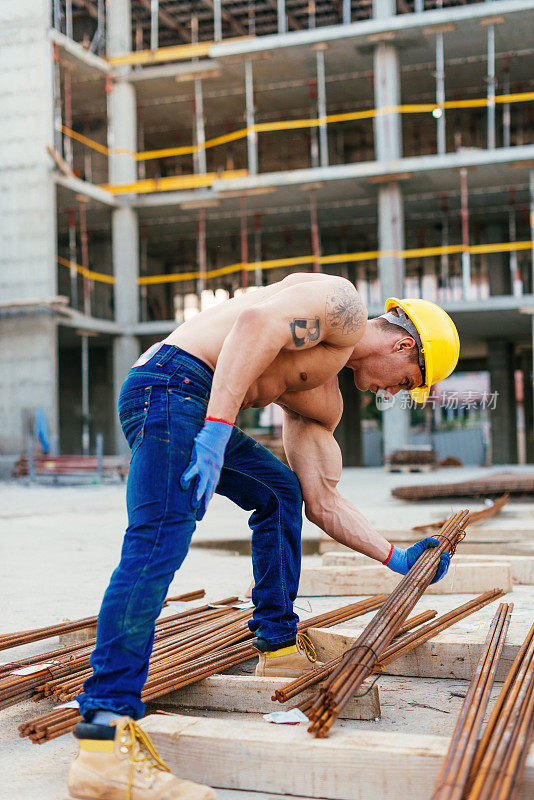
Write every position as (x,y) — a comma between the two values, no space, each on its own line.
(284,344)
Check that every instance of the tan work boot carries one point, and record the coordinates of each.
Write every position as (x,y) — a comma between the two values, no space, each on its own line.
(126,768)
(288,662)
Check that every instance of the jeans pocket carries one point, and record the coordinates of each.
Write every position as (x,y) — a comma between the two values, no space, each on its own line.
(133,411)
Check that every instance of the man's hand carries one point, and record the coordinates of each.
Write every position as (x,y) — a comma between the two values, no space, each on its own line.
(402,561)
(206,462)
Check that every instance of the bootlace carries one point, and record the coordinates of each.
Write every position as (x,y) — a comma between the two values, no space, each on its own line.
(305,646)
(145,756)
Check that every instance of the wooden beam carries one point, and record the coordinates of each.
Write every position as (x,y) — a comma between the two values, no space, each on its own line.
(462,578)
(284,759)
(169,21)
(451,654)
(249,694)
(522,566)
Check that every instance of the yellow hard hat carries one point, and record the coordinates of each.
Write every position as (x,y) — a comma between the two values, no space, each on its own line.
(439,344)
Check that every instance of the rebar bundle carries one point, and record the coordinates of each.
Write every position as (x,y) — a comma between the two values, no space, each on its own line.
(474,516)
(359,661)
(403,643)
(500,758)
(9,640)
(478,487)
(177,661)
(455,769)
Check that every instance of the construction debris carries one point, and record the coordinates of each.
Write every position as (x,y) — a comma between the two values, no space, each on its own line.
(511,483)
(360,660)
(455,770)
(411,459)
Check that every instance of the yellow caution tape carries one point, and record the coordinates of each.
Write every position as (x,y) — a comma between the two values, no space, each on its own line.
(297,261)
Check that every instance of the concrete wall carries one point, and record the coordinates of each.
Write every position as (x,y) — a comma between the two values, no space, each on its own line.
(27,216)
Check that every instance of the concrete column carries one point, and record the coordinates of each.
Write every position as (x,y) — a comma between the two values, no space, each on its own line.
(252,139)
(122,135)
(28,266)
(502,418)
(500,279)
(528,401)
(348,432)
(388,147)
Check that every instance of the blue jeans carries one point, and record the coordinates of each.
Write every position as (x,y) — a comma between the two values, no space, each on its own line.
(162,407)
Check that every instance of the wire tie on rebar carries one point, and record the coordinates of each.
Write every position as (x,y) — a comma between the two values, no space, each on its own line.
(366,647)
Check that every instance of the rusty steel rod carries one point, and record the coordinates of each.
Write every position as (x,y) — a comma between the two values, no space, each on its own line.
(359,661)
(454,773)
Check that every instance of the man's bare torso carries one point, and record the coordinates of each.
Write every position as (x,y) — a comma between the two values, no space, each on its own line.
(303,381)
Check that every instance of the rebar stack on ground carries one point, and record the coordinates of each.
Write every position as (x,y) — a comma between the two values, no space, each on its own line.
(187,663)
(403,643)
(359,661)
(456,767)
(502,752)
(478,487)
(474,516)
(9,640)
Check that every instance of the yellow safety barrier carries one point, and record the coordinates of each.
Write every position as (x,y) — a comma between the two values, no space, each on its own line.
(298,261)
(99,277)
(296,124)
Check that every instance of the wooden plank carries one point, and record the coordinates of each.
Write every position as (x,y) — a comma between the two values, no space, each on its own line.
(251,694)
(451,654)
(348,765)
(522,566)
(462,578)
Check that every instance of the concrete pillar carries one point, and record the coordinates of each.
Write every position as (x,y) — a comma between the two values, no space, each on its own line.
(122,135)
(348,432)
(28,266)
(502,417)
(528,401)
(500,281)
(388,147)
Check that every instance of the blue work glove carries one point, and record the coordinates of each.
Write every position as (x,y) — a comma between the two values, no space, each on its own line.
(402,561)
(206,462)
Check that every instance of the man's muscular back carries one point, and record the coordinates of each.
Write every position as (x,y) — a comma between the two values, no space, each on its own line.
(315,319)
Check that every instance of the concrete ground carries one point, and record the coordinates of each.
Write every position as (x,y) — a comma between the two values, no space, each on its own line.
(59,545)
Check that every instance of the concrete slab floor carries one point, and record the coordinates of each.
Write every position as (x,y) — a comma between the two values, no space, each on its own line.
(59,546)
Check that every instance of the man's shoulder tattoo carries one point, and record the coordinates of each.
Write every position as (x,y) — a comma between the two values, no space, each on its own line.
(305,331)
(345,310)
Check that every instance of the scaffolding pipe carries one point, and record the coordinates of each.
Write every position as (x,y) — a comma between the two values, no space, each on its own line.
(143,270)
(85,395)
(252,140)
(87,158)
(98,38)
(217,20)
(85,254)
(347,12)
(201,282)
(67,141)
(154,24)
(321,106)
(199,128)
(68,18)
(515,276)
(440,93)
(311,14)
(244,242)
(491,87)
(444,258)
(57,15)
(316,245)
(282,21)
(466,256)
(72,259)
(506,120)
(532,236)
(419,6)
(258,274)
(58,122)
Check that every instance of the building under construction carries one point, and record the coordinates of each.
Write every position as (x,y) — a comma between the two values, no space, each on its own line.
(157,157)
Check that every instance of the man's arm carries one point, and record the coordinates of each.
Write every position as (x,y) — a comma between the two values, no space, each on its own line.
(296,318)
(315,457)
